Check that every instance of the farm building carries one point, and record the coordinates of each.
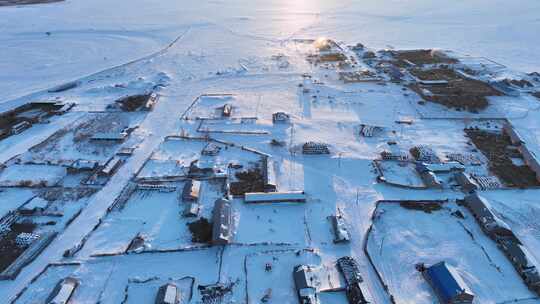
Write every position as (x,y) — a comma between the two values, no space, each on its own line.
(151,102)
(111,166)
(63,291)
(395,155)
(305,283)
(222,226)
(280,117)
(125,151)
(430,179)
(34,206)
(369,130)
(523,261)
(211,149)
(200,169)
(168,294)
(191,190)
(488,220)
(83,164)
(64,108)
(425,154)
(530,158)
(351,272)
(226,110)
(341,233)
(192,209)
(311,147)
(466,182)
(275,197)
(20,127)
(270,178)
(448,284)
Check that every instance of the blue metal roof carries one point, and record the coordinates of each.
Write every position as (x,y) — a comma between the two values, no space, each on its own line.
(446,281)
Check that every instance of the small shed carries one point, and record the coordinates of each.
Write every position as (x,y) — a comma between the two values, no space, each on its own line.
(191,190)
(111,166)
(311,147)
(222,225)
(341,233)
(83,164)
(64,108)
(211,149)
(151,102)
(466,182)
(431,180)
(63,291)
(168,294)
(226,110)
(448,284)
(280,117)
(192,209)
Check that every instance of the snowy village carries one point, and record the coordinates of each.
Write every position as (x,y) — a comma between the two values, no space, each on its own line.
(309,170)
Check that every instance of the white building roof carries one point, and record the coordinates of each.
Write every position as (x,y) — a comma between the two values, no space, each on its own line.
(170,294)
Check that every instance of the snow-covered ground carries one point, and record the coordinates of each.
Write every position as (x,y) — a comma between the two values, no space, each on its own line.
(200,57)
(87,37)
(402,238)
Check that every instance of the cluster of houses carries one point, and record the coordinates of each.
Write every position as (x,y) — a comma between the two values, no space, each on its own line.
(524,263)
(58,108)
(309,282)
(64,290)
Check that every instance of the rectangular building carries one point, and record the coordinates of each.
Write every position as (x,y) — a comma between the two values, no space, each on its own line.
(223,224)
(275,197)
(448,284)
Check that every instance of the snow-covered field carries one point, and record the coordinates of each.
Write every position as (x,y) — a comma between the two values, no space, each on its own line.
(402,238)
(87,37)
